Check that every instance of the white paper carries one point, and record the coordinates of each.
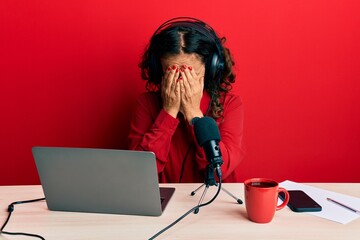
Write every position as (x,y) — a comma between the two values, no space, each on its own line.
(330,210)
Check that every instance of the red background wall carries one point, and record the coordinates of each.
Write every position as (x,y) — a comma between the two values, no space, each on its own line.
(69,77)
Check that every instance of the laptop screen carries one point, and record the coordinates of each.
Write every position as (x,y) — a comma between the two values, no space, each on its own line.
(100,180)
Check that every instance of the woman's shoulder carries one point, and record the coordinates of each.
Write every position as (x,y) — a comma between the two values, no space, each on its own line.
(149,97)
(232,98)
(151,101)
(232,104)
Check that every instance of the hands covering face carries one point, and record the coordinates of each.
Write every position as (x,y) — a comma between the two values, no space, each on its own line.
(182,90)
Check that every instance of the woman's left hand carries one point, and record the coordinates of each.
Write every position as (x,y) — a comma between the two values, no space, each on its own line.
(191,90)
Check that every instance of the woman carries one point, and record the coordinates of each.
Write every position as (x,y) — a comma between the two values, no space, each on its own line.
(189,74)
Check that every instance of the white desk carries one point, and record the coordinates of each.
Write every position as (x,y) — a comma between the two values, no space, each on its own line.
(223,219)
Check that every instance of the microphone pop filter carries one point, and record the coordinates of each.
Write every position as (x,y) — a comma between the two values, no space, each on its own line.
(205,129)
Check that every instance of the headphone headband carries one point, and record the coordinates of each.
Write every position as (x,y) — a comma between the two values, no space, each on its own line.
(215,63)
(191,22)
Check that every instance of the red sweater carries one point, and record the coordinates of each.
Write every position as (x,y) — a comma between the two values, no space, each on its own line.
(178,156)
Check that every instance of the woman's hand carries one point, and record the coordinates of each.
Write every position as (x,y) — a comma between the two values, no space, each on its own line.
(170,91)
(191,90)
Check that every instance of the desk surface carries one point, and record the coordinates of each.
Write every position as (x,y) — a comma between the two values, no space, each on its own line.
(222,219)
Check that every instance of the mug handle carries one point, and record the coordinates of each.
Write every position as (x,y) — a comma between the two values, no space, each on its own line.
(286,200)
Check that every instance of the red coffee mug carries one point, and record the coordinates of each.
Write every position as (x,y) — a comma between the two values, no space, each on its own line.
(261,197)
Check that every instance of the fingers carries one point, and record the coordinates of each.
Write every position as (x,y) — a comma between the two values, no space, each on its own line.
(169,80)
(170,91)
(174,80)
(202,76)
(177,89)
(191,79)
(191,90)
(189,73)
(168,77)
(187,78)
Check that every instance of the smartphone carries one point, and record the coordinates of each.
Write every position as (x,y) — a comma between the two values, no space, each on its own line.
(301,202)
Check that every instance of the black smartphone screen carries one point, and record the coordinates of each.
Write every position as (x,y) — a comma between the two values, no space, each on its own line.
(301,202)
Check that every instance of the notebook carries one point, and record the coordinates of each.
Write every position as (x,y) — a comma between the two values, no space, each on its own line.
(101,181)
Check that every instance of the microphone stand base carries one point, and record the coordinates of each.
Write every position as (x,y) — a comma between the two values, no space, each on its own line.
(238,200)
(210,181)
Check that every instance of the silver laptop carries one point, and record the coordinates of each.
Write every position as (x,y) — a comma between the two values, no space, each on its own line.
(101,181)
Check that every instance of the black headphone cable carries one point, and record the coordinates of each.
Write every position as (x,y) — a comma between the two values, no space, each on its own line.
(194,209)
(11,208)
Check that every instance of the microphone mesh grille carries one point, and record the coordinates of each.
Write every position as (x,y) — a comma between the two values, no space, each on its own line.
(205,130)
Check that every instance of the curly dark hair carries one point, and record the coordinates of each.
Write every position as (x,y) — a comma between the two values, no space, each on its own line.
(178,39)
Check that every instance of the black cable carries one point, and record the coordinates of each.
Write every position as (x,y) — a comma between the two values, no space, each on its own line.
(218,171)
(11,208)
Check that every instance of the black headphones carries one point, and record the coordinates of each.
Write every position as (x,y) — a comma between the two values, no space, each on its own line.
(215,63)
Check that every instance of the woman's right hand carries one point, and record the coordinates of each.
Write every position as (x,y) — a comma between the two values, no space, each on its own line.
(170,91)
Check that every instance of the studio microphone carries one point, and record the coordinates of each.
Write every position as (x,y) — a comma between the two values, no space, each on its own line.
(208,136)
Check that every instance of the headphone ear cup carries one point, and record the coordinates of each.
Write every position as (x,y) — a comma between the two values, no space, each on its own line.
(213,70)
